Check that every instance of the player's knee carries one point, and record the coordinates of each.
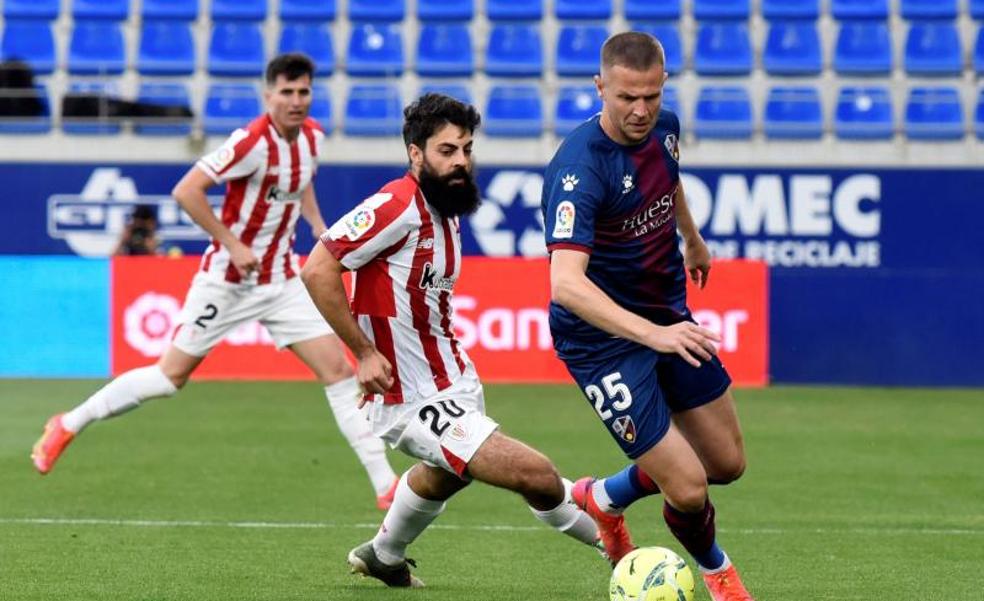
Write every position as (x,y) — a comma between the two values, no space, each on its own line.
(727,472)
(688,499)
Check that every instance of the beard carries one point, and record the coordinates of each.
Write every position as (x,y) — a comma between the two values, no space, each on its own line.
(450,199)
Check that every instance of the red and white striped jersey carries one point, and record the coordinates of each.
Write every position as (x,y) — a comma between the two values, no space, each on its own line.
(406,258)
(265,177)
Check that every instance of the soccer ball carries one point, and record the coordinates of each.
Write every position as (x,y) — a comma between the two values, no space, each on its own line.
(652,574)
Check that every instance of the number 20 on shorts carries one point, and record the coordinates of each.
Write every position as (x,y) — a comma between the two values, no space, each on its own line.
(615,391)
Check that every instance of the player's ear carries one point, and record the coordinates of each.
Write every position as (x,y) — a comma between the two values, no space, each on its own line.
(599,86)
(416,155)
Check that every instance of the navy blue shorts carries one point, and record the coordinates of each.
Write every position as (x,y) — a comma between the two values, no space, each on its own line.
(635,393)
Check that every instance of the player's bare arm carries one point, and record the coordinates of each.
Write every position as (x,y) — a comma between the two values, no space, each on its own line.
(311,212)
(322,275)
(190,193)
(571,288)
(696,256)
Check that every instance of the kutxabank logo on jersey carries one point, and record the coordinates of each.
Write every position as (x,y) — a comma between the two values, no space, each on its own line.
(91,221)
(508,223)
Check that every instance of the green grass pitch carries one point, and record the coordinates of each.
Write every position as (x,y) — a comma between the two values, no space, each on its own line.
(246,491)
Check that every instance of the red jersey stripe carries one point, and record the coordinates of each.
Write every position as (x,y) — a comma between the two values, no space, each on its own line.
(383,336)
(261,207)
(444,299)
(266,266)
(423,259)
(457,463)
(295,166)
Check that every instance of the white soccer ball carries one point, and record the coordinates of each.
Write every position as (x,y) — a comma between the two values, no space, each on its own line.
(652,574)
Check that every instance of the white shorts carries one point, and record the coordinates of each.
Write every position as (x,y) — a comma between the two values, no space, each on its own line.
(213,309)
(444,431)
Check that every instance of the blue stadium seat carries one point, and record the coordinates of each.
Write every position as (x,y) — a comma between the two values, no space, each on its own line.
(717,10)
(793,113)
(979,116)
(934,114)
(92,126)
(579,49)
(671,101)
(863,47)
(236,50)
(30,41)
(180,10)
(933,48)
(376,10)
(167,94)
(723,48)
(652,10)
(229,106)
(976,9)
(31,9)
(864,113)
(28,125)
(514,111)
(321,108)
(112,10)
(96,48)
(514,10)
(445,50)
(929,9)
(313,38)
(669,36)
(456,91)
(979,51)
(166,48)
(575,104)
(790,9)
(582,9)
(374,110)
(307,10)
(723,113)
(375,50)
(793,48)
(514,51)
(859,9)
(239,10)
(445,10)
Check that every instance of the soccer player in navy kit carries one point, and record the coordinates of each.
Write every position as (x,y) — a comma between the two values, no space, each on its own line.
(613,205)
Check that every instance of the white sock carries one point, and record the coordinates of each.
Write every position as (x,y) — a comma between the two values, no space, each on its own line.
(409,515)
(602,499)
(569,519)
(119,396)
(343,398)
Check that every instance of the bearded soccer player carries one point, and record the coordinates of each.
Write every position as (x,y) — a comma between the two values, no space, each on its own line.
(248,273)
(612,205)
(404,247)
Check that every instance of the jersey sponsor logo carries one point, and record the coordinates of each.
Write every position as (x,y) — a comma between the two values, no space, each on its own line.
(509,221)
(672,146)
(91,221)
(627,183)
(564,222)
(219,159)
(429,279)
(569,181)
(625,428)
(655,216)
(276,194)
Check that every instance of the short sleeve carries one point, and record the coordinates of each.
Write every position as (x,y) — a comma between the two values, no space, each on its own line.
(239,156)
(571,202)
(375,225)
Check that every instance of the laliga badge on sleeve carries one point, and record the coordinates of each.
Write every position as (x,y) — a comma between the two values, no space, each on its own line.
(564,222)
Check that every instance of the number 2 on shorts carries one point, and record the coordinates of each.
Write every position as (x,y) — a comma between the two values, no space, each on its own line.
(617,392)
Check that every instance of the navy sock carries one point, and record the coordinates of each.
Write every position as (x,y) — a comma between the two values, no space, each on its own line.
(696,532)
(628,486)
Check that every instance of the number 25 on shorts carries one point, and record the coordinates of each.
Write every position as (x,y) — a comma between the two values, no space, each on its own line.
(616,391)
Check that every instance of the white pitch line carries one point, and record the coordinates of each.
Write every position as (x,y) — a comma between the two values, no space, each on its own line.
(463,527)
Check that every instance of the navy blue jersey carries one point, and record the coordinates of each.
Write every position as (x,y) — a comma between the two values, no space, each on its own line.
(616,203)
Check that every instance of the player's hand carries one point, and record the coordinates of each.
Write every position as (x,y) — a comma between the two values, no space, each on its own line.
(243,259)
(697,260)
(375,374)
(686,339)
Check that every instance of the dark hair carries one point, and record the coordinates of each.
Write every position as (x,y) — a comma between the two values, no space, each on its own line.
(430,112)
(632,49)
(144,212)
(292,65)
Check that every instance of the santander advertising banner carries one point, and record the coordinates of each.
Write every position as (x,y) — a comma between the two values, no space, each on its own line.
(500,308)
